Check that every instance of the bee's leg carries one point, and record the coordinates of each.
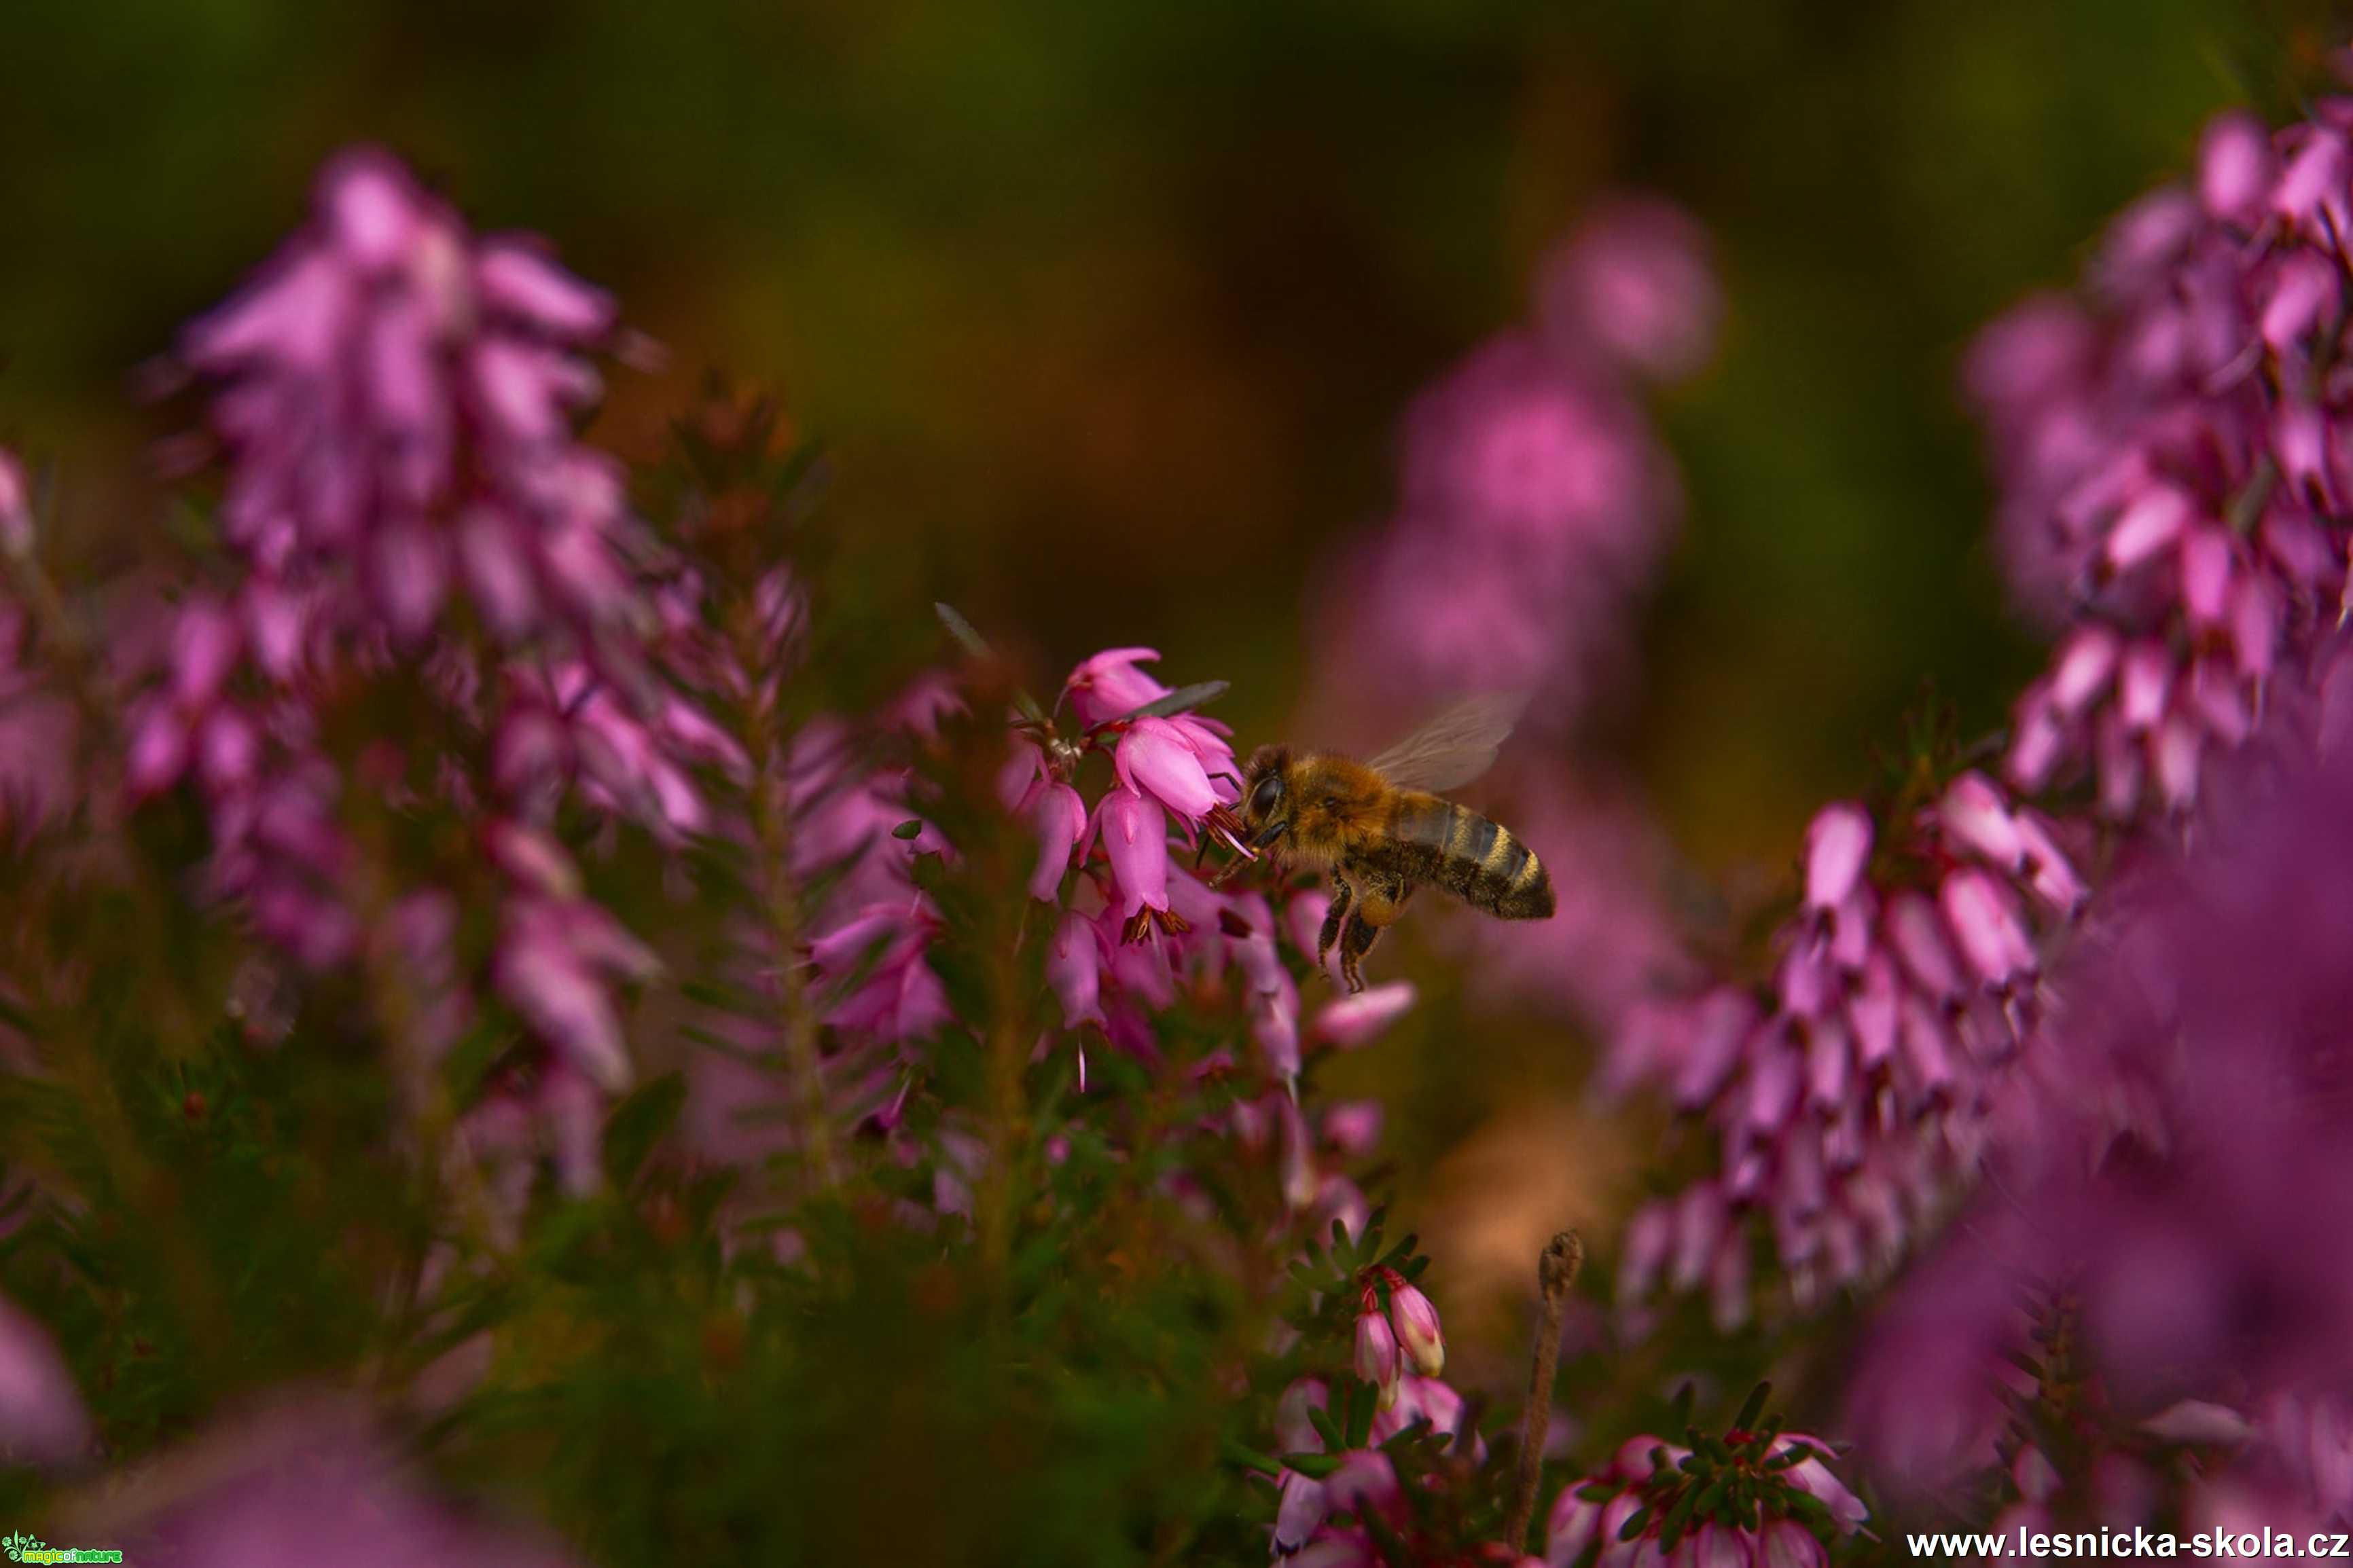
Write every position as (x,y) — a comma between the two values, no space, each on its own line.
(1360,939)
(1343,895)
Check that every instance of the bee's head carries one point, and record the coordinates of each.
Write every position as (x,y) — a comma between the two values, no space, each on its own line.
(1266,793)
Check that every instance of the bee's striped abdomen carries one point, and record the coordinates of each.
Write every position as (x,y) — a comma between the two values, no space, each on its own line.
(1474,859)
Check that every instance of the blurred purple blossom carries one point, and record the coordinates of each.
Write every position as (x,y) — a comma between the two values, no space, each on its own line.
(2172,1166)
(282,1489)
(2173,460)
(41,1416)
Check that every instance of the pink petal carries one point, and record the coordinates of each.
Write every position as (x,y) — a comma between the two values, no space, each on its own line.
(2235,168)
(1057,817)
(1154,758)
(1136,836)
(1353,1020)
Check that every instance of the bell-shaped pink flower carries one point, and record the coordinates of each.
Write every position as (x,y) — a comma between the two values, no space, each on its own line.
(1109,686)
(1136,836)
(1986,924)
(1353,1020)
(1417,1328)
(1154,758)
(1074,969)
(1301,1505)
(1058,818)
(1837,847)
(1975,816)
(1786,1544)
(1380,1361)
(1573,1525)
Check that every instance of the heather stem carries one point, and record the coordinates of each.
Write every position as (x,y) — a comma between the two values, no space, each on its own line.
(779,898)
(1556,1270)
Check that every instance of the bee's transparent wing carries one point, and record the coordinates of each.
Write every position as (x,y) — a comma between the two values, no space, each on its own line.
(1455,747)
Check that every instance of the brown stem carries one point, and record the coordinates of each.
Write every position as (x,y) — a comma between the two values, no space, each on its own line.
(1556,1271)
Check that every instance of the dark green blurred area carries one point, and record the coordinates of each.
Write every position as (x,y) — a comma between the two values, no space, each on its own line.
(1107,308)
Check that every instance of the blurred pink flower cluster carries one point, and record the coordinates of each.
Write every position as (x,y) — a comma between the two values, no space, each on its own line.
(1535,504)
(1534,499)
(2174,447)
(404,507)
(2172,1172)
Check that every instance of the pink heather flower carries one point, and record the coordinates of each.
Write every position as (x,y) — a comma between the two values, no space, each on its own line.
(1417,1328)
(1354,1020)
(554,966)
(1425,1399)
(2180,476)
(273,1490)
(1301,1507)
(1380,1361)
(1573,1525)
(2235,167)
(1074,969)
(1109,686)
(1155,758)
(1837,847)
(1136,836)
(1058,818)
(1812,1475)
(1579,1521)
(901,997)
(1786,1544)
(1858,1099)
(1534,501)
(1635,282)
(41,1416)
(396,396)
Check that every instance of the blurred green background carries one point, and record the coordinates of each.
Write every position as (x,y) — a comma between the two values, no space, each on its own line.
(1106,310)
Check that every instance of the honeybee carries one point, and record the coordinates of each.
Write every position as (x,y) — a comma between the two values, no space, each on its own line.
(1379,831)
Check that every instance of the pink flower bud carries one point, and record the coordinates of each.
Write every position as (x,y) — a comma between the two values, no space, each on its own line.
(1109,685)
(1985,924)
(1417,1328)
(2086,661)
(2235,168)
(1074,969)
(1837,847)
(1058,816)
(2147,526)
(1975,816)
(1378,1359)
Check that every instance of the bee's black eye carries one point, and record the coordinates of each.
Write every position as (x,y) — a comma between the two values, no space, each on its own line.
(1331,803)
(1267,795)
